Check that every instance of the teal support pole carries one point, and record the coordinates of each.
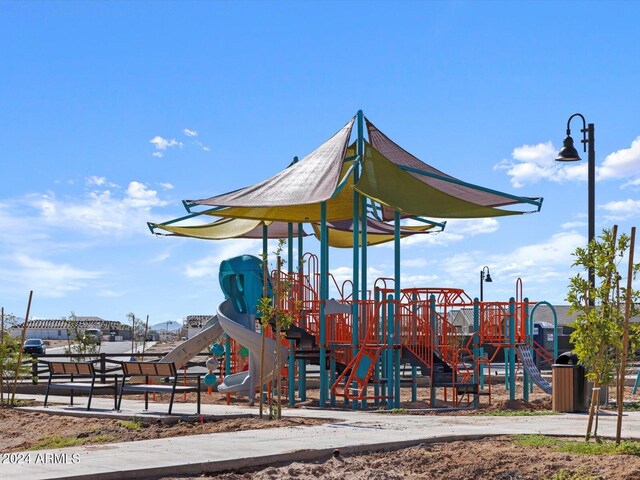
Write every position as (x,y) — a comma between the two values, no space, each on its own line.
(398,312)
(390,341)
(555,325)
(355,296)
(433,324)
(476,348)
(324,390)
(512,349)
(414,333)
(302,363)
(290,248)
(526,381)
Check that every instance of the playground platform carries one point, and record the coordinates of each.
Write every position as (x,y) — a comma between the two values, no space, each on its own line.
(349,431)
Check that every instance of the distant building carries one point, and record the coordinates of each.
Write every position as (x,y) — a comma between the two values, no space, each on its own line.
(59,329)
(194,323)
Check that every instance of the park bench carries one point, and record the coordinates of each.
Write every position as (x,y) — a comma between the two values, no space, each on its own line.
(78,377)
(166,381)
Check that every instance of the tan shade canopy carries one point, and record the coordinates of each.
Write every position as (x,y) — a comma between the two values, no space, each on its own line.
(226,228)
(393,187)
(311,180)
(341,232)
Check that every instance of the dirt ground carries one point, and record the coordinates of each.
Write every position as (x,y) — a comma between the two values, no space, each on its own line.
(489,459)
(23,430)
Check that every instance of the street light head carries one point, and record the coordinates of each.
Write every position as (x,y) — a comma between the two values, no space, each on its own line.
(568,152)
(488,278)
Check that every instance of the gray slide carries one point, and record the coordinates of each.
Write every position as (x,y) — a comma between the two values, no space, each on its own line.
(240,327)
(188,349)
(525,353)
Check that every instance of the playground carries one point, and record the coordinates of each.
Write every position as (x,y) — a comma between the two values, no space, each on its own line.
(371,339)
(339,366)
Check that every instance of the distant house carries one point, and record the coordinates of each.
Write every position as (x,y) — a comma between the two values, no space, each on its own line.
(59,329)
(194,323)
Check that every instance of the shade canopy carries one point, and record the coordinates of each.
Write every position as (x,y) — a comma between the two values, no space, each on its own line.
(311,180)
(388,175)
(226,228)
(341,232)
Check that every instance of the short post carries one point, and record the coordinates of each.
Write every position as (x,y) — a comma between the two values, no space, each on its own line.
(34,370)
(103,367)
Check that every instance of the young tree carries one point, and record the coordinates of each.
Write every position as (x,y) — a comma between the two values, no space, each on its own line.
(279,312)
(9,350)
(599,320)
(78,342)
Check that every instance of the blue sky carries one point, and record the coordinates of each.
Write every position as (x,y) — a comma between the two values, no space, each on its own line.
(115,112)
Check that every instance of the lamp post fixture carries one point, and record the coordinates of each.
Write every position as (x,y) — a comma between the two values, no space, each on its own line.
(484,278)
(568,153)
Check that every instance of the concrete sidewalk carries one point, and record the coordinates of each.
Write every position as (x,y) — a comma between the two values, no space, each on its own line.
(348,430)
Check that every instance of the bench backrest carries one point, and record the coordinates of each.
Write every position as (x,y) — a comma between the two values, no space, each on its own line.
(152,369)
(71,368)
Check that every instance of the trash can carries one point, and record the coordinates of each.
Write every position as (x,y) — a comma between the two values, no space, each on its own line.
(571,392)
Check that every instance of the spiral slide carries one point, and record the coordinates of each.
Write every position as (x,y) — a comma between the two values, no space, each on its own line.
(239,326)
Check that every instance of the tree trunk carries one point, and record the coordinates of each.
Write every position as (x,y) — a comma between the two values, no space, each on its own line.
(625,337)
(592,409)
(19,362)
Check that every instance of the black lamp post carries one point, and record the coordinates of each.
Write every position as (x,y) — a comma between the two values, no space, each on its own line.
(484,278)
(568,153)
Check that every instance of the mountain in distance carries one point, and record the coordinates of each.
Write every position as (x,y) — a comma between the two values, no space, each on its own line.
(171,326)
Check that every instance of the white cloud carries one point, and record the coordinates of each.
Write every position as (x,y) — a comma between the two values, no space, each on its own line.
(573,225)
(190,133)
(532,163)
(210,265)
(166,186)
(622,209)
(158,154)
(455,231)
(101,211)
(94,180)
(623,163)
(633,184)
(47,278)
(163,144)
(202,146)
(99,182)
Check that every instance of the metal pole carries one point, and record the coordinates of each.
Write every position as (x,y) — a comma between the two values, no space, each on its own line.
(481,279)
(302,363)
(476,347)
(397,320)
(323,299)
(592,195)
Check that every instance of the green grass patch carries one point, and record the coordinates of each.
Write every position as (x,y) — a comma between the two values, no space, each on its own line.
(517,413)
(579,447)
(60,441)
(134,424)
(582,474)
(632,406)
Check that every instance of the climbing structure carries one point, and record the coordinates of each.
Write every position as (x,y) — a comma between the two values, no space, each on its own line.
(354,194)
